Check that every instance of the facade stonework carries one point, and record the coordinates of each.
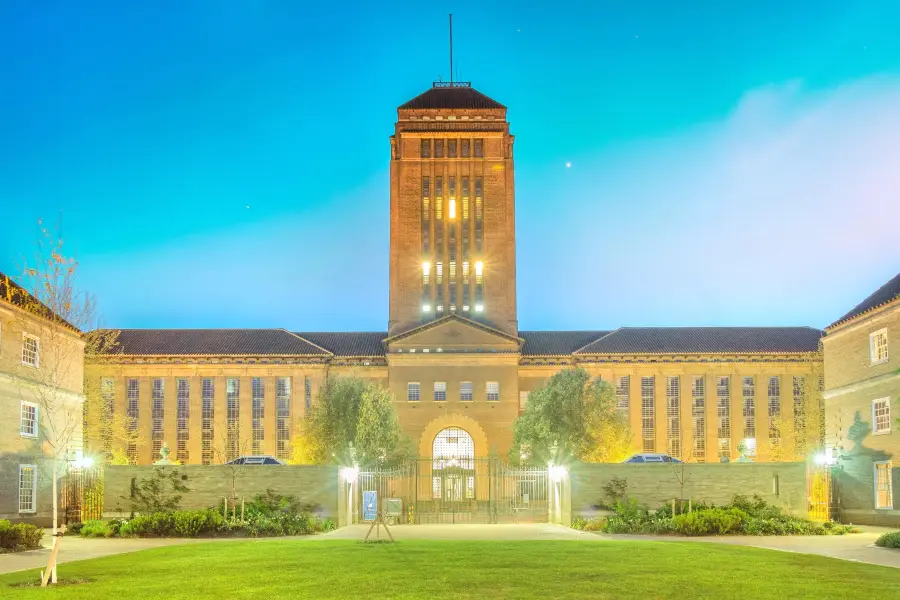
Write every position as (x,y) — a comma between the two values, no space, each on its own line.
(453,354)
(862,393)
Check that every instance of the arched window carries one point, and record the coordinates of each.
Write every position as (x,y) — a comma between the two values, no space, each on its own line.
(453,447)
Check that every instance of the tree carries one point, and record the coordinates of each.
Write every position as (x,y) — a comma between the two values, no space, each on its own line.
(352,411)
(232,445)
(53,314)
(571,415)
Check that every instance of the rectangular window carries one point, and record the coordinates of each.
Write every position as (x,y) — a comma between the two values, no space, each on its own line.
(698,413)
(207,420)
(878,347)
(492,389)
(232,418)
(426,215)
(623,389)
(307,393)
(258,413)
(283,417)
(439,148)
(881,416)
(648,414)
(27,488)
(440,391)
(748,390)
(479,148)
(425,149)
(465,391)
(523,400)
(413,391)
(799,388)
(479,224)
(182,415)
(30,350)
(884,496)
(774,410)
(158,413)
(464,148)
(451,148)
(673,416)
(29,420)
(132,412)
(723,414)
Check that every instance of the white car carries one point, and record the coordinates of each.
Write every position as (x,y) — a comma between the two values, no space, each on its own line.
(649,457)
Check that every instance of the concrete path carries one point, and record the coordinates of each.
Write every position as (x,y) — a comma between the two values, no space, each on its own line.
(857,547)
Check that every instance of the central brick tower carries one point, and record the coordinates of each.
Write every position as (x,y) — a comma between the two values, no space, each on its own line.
(453,237)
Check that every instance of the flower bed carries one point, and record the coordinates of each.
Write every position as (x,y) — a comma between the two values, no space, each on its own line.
(742,516)
(268,515)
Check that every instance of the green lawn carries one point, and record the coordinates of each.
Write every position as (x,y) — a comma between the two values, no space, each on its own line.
(544,570)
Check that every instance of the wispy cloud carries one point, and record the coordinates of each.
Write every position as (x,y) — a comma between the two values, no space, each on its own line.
(787,211)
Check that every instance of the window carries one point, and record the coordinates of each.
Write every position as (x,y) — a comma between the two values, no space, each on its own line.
(283,417)
(132,408)
(257,413)
(29,422)
(673,416)
(207,416)
(426,215)
(492,388)
(648,425)
(774,409)
(182,414)
(30,350)
(884,497)
(232,418)
(413,390)
(27,488)
(307,393)
(464,148)
(479,148)
(439,148)
(623,387)
(881,416)
(698,412)
(523,400)
(799,386)
(451,148)
(426,149)
(440,391)
(748,392)
(723,414)
(158,413)
(465,391)
(878,347)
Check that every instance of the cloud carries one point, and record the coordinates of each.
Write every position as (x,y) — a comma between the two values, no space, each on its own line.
(786,211)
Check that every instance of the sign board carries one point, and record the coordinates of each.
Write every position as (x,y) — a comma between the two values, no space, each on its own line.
(370,505)
(393,507)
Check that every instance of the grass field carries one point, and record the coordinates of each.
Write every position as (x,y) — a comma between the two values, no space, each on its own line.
(544,570)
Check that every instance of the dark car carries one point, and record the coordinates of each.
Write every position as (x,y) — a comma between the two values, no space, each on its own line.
(649,457)
(255,460)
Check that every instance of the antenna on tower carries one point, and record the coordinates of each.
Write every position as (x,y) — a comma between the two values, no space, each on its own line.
(451,49)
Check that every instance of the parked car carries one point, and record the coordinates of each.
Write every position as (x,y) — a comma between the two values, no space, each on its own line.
(649,457)
(255,460)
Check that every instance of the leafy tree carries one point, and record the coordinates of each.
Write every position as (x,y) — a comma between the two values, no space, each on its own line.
(575,415)
(351,411)
(159,492)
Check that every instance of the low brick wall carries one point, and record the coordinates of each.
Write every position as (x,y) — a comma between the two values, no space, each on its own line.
(781,484)
(208,485)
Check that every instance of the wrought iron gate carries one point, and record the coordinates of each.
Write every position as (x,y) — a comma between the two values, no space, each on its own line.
(820,493)
(81,495)
(440,490)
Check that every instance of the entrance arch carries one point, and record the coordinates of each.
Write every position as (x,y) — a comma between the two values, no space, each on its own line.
(464,422)
(453,466)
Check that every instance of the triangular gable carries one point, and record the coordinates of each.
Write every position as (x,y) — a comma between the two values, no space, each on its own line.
(456,334)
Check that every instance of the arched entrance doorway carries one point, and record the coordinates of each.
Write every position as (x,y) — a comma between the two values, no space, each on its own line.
(453,466)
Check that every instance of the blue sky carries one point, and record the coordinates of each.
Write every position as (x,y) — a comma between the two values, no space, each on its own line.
(730,165)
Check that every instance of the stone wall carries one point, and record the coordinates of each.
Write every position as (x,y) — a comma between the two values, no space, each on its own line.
(781,484)
(208,485)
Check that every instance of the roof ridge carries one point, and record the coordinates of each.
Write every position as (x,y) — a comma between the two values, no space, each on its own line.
(299,337)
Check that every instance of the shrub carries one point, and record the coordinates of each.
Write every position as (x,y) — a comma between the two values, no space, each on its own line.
(713,521)
(889,540)
(18,537)
(98,529)
(578,523)
(139,526)
(159,492)
(188,523)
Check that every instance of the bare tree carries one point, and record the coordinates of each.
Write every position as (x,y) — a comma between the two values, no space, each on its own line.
(52,315)
(232,445)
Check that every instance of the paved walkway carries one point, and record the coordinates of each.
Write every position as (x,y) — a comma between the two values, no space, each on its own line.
(857,547)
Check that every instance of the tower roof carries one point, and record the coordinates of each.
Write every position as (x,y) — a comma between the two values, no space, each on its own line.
(456,95)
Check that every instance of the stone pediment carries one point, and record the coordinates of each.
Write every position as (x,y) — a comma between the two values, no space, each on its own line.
(454,334)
